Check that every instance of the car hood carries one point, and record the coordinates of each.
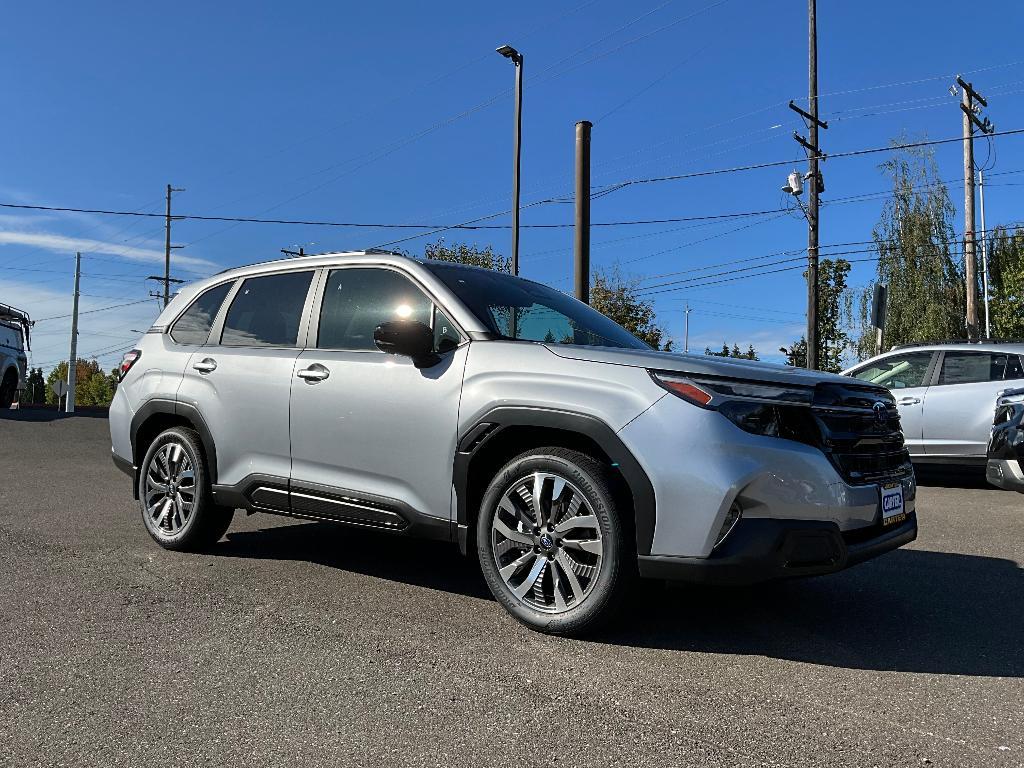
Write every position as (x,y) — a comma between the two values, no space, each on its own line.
(699,365)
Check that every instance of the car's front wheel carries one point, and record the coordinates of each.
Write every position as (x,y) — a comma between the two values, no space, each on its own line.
(178,508)
(551,543)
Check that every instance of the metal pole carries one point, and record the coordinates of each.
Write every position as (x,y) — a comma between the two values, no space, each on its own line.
(515,176)
(69,398)
(969,265)
(686,330)
(582,236)
(812,200)
(167,249)
(984,253)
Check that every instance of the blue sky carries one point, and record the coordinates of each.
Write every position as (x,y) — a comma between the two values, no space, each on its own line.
(402,113)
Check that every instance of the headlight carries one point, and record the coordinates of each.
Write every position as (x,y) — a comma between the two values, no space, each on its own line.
(755,407)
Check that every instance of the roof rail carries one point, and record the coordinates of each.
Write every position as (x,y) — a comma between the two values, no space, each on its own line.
(955,341)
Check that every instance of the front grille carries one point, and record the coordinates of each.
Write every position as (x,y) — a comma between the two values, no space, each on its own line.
(863,440)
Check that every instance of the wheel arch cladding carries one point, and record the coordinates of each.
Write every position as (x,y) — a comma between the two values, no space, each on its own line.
(158,415)
(508,431)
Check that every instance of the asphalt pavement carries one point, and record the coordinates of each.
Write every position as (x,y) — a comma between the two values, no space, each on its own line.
(302,643)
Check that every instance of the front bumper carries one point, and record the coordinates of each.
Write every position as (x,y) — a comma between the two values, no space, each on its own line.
(764,549)
(1006,474)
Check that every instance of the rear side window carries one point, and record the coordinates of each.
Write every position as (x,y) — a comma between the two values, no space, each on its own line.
(193,327)
(266,311)
(357,300)
(972,367)
(898,371)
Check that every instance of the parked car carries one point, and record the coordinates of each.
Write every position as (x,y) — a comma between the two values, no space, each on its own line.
(1006,442)
(461,404)
(14,343)
(945,393)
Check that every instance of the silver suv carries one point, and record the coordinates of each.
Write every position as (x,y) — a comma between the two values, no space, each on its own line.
(14,341)
(945,394)
(461,404)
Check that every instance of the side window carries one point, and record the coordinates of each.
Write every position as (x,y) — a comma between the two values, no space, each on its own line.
(193,327)
(446,338)
(1014,370)
(972,367)
(898,371)
(357,300)
(266,311)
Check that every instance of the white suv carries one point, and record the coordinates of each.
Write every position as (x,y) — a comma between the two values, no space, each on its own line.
(14,341)
(456,403)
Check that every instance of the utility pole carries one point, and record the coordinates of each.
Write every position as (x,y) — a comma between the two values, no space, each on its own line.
(517,58)
(167,245)
(984,252)
(69,398)
(686,329)
(968,96)
(582,233)
(813,179)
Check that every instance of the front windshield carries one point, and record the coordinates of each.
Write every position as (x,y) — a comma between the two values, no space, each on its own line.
(521,309)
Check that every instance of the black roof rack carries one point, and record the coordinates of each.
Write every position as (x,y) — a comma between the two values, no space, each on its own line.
(956,341)
(13,315)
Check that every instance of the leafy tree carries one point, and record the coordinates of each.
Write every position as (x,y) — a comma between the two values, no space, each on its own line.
(913,239)
(35,388)
(1006,283)
(834,313)
(92,385)
(462,253)
(616,297)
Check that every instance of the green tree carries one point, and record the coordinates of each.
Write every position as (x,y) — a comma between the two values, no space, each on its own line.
(735,352)
(35,388)
(914,240)
(463,253)
(617,297)
(1006,283)
(834,317)
(796,354)
(92,385)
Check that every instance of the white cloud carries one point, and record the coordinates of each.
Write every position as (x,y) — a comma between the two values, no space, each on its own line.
(63,244)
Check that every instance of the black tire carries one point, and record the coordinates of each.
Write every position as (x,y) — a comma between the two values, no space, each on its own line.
(205,522)
(8,389)
(601,597)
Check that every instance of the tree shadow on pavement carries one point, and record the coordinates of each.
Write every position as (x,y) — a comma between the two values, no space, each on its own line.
(909,611)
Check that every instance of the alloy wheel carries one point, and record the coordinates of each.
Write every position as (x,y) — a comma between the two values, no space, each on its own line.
(546,542)
(170,489)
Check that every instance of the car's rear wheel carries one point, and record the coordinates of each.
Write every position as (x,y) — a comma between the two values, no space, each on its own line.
(550,541)
(174,493)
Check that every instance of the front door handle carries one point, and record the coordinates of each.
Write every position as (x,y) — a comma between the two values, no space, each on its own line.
(207,365)
(315,372)
(908,401)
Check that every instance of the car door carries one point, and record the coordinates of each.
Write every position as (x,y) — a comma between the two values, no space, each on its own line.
(373,436)
(240,381)
(906,374)
(960,405)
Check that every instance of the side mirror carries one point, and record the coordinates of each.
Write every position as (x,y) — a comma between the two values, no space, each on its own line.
(407,337)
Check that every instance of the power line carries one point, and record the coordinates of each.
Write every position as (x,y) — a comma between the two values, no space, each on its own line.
(92,311)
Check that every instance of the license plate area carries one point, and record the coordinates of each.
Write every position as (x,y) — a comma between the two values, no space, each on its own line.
(893,508)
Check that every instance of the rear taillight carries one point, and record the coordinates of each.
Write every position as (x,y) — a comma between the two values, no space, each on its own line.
(129,359)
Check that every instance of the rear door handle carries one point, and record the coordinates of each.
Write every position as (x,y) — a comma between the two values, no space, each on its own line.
(315,372)
(206,365)
(908,401)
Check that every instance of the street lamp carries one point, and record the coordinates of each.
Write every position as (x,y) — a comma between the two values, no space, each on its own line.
(517,58)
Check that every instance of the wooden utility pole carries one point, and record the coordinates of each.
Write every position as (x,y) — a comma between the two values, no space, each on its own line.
(581,270)
(967,105)
(69,398)
(812,195)
(168,246)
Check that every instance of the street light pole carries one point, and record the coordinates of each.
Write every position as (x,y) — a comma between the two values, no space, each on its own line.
(517,58)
